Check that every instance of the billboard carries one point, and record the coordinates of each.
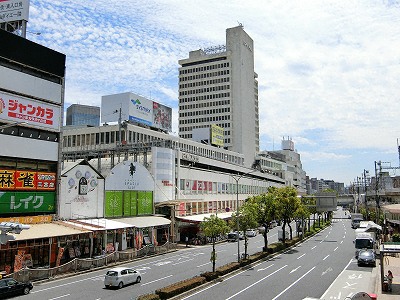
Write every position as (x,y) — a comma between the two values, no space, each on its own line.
(136,109)
(27,202)
(27,180)
(128,203)
(217,135)
(14,10)
(32,112)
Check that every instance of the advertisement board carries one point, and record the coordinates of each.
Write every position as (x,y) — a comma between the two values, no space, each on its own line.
(162,117)
(128,203)
(27,180)
(14,10)
(136,109)
(27,202)
(32,112)
(217,135)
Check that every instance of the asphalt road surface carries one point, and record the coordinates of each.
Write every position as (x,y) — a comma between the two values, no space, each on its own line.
(309,269)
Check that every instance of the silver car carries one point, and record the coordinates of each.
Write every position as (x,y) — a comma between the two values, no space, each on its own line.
(118,277)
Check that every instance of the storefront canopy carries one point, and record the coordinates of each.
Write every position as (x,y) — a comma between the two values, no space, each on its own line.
(200,218)
(98,224)
(39,231)
(120,223)
(142,222)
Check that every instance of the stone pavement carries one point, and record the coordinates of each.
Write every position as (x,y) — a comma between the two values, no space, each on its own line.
(391,263)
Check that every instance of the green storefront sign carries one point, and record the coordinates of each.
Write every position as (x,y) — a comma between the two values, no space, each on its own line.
(128,203)
(27,202)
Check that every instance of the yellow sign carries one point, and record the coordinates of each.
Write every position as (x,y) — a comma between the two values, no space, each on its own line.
(28,219)
(217,135)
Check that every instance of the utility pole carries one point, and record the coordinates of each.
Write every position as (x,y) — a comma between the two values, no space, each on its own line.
(365,188)
(378,207)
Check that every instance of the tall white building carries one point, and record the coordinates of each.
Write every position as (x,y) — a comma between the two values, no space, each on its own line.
(218,86)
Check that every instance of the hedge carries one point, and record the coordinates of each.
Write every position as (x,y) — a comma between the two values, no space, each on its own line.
(180,287)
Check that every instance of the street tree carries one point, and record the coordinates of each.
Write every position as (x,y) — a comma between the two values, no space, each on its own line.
(287,203)
(247,220)
(267,211)
(212,227)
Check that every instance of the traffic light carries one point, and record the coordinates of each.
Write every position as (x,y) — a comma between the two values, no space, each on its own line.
(5,238)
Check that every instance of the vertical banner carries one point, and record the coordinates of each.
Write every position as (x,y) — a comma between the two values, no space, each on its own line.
(113,206)
(59,256)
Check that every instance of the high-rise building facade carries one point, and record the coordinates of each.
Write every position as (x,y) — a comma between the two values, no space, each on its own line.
(219,86)
(78,114)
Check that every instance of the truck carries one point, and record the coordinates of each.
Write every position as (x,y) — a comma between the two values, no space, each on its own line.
(365,240)
(356,218)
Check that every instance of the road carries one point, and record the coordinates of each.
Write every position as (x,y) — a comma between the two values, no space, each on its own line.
(305,270)
(157,272)
(308,269)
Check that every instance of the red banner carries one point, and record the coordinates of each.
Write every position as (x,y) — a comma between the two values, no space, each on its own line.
(7,179)
(59,256)
(27,180)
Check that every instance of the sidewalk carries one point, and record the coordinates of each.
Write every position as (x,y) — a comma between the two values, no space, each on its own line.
(393,264)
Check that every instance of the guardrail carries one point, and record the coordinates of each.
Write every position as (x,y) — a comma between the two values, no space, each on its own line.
(85,264)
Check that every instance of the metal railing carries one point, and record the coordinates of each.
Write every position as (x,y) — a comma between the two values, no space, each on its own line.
(85,264)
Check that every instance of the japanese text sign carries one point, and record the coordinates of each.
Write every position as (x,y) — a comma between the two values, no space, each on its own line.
(14,10)
(32,112)
(27,180)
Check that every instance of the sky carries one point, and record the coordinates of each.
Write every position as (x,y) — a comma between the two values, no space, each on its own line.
(328,71)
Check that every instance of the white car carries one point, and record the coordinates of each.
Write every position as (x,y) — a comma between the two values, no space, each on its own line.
(251,232)
(118,277)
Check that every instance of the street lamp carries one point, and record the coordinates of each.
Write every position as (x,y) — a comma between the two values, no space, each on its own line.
(237,178)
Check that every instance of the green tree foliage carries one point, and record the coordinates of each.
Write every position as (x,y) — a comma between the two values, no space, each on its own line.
(248,213)
(267,211)
(212,227)
(287,205)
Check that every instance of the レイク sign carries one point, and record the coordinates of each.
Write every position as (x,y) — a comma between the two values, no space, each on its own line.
(32,112)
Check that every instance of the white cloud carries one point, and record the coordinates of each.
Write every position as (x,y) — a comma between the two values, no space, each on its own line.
(328,70)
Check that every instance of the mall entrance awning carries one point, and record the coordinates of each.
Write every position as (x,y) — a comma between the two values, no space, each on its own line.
(145,221)
(97,224)
(200,218)
(47,230)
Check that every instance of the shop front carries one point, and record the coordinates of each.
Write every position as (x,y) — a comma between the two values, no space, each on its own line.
(40,246)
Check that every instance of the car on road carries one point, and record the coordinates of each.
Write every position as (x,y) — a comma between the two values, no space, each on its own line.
(273,224)
(251,232)
(121,276)
(366,257)
(11,287)
(233,236)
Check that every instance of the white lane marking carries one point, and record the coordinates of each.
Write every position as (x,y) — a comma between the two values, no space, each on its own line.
(301,256)
(204,264)
(156,280)
(284,291)
(327,270)
(294,270)
(69,283)
(161,263)
(256,282)
(183,261)
(341,242)
(335,249)
(211,286)
(326,292)
(326,257)
(60,297)
(313,247)
(262,269)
